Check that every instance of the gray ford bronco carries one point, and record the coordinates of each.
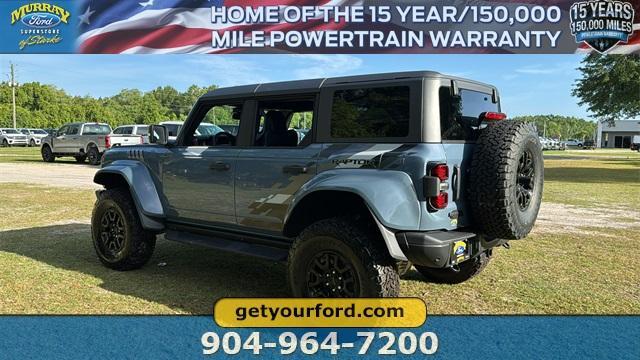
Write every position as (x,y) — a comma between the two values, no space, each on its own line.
(395,169)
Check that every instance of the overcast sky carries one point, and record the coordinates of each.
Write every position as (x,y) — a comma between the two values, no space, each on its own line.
(528,84)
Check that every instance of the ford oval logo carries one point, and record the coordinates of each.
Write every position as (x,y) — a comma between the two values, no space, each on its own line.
(41,20)
(460,250)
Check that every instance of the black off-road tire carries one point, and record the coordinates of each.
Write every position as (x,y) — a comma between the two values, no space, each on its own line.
(80,158)
(137,244)
(372,270)
(47,154)
(500,180)
(93,155)
(462,273)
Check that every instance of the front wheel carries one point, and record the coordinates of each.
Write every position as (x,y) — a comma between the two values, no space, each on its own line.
(456,275)
(5,143)
(47,154)
(32,143)
(339,258)
(80,158)
(119,239)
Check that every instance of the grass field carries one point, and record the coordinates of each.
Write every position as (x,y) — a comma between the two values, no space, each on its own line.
(581,258)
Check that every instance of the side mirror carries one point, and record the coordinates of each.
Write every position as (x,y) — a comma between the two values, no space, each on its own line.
(158,135)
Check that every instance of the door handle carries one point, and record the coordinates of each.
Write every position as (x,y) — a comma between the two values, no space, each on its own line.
(219,165)
(295,169)
(457,183)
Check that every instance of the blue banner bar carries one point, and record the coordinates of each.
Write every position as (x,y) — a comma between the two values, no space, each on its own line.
(459,337)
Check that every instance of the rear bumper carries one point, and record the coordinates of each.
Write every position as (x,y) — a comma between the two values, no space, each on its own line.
(435,249)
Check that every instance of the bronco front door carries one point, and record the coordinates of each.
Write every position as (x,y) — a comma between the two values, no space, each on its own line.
(198,173)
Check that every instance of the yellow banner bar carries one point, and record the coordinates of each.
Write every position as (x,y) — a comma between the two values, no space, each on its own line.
(270,312)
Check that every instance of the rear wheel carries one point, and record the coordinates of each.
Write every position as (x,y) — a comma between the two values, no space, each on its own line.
(32,143)
(47,154)
(506,179)
(338,258)
(458,274)
(119,239)
(93,155)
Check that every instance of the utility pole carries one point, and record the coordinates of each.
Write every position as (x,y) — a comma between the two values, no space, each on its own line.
(13,84)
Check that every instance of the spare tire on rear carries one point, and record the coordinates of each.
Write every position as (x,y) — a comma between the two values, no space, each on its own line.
(505,179)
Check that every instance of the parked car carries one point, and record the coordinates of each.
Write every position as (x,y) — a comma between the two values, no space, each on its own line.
(635,142)
(589,145)
(34,136)
(12,137)
(231,129)
(79,140)
(130,135)
(544,143)
(372,186)
(574,142)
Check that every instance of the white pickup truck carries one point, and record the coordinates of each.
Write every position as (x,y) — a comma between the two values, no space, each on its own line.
(130,135)
(83,141)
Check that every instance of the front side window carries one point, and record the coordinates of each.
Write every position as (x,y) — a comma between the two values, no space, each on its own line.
(378,112)
(209,131)
(74,129)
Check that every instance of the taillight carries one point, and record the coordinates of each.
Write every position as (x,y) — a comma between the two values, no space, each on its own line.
(107,141)
(492,116)
(436,186)
(441,171)
(440,201)
(141,141)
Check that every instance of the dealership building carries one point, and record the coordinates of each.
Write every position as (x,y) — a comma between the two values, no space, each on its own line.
(617,136)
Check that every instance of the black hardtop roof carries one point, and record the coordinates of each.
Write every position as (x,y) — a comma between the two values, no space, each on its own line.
(313,85)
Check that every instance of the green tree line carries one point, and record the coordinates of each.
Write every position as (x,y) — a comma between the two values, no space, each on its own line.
(561,127)
(46,106)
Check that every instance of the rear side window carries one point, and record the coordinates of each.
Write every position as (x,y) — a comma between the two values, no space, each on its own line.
(378,112)
(142,130)
(96,129)
(456,116)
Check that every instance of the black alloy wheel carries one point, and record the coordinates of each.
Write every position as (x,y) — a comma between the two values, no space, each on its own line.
(112,234)
(526,180)
(329,274)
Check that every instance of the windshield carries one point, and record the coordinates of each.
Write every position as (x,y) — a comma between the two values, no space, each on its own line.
(208,129)
(96,129)
(10,131)
(41,132)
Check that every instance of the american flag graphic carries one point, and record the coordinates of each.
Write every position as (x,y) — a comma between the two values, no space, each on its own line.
(185,26)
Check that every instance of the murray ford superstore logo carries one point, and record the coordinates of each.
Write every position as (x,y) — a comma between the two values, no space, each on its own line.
(38,22)
(602,24)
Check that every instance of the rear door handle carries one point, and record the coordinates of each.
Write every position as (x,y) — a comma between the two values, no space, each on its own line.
(457,183)
(295,169)
(219,165)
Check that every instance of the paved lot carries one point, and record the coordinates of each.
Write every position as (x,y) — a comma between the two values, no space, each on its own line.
(59,175)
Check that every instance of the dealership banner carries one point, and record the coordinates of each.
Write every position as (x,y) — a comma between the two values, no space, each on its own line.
(325,26)
(453,337)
